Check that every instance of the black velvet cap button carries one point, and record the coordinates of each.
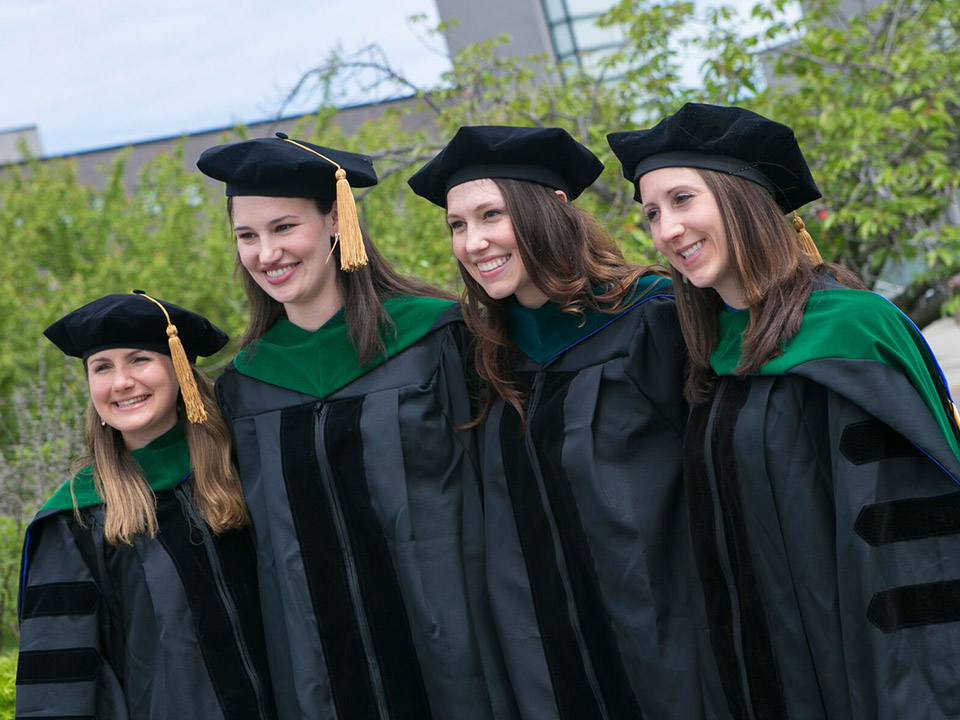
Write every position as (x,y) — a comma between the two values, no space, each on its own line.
(132,321)
(275,167)
(548,156)
(726,139)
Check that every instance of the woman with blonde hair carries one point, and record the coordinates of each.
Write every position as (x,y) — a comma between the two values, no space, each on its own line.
(821,457)
(135,599)
(586,541)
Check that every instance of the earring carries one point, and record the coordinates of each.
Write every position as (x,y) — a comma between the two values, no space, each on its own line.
(103,423)
(336,237)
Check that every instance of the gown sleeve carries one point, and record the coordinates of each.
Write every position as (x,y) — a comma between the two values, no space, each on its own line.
(63,667)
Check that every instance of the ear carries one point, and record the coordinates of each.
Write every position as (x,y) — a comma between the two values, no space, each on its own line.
(561,194)
(334,218)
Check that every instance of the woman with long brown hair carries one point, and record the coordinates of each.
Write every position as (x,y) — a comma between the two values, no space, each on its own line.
(821,458)
(346,404)
(135,599)
(581,426)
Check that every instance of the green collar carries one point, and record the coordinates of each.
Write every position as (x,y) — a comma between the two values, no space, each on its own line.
(545,332)
(322,361)
(165,463)
(848,324)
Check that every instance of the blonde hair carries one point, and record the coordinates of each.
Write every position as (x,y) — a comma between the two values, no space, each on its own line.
(129,503)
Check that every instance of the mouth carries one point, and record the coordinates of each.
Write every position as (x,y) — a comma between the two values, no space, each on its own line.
(131,402)
(490,266)
(689,252)
(279,273)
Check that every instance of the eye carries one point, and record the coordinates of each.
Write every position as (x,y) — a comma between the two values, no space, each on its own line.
(682,197)
(283,227)
(652,214)
(100,367)
(246,236)
(493,213)
(456,225)
(142,359)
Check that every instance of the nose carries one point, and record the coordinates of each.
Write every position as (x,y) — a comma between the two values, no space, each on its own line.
(669,225)
(476,241)
(122,379)
(270,251)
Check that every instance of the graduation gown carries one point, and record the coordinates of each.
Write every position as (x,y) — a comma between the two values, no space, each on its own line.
(167,628)
(589,565)
(825,517)
(370,573)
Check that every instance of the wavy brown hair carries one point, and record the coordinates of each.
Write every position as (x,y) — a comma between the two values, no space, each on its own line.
(130,507)
(363,292)
(773,272)
(567,255)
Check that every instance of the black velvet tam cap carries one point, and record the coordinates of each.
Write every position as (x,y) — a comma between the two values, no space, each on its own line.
(548,156)
(726,139)
(133,321)
(281,167)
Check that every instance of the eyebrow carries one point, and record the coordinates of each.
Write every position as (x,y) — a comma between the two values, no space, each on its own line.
(272,222)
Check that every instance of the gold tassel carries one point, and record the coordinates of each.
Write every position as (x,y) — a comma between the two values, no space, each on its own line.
(181,366)
(956,415)
(806,242)
(353,255)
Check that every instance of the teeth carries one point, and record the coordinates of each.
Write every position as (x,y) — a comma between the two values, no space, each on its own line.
(131,401)
(277,272)
(489,265)
(691,250)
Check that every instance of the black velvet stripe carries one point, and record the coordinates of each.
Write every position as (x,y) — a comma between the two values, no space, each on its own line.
(214,628)
(911,519)
(706,552)
(58,666)
(70,598)
(572,690)
(403,685)
(323,565)
(915,606)
(237,556)
(598,632)
(871,440)
(763,673)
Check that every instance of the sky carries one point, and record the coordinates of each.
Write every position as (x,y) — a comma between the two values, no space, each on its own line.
(107,72)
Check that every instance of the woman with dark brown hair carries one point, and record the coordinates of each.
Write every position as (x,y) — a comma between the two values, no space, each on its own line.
(135,600)
(821,459)
(347,403)
(581,424)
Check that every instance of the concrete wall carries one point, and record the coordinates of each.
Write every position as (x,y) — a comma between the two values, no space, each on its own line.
(11,141)
(523,20)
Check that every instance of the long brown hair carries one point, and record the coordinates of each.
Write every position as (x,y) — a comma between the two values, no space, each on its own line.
(129,503)
(773,272)
(567,255)
(363,292)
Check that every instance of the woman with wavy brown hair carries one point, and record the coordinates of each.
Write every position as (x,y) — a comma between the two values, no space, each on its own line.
(581,425)
(135,599)
(821,458)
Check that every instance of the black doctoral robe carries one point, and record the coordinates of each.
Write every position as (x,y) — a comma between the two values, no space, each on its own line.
(167,628)
(826,522)
(370,571)
(588,554)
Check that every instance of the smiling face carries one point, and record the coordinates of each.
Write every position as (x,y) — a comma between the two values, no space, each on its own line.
(688,229)
(135,392)
(284,244)
(485,244)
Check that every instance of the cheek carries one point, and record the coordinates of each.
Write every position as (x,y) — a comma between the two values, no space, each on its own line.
(457,244)
(247,255)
